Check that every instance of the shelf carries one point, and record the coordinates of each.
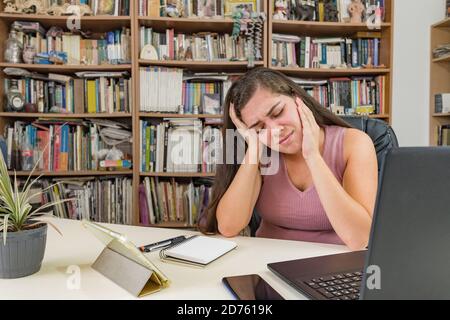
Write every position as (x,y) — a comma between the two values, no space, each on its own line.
(441,115)
(65,68)
(181,225)
(64,115)
(442,24)
(178,174)
(87,22)
(72,173)
(191,25)
(442,59)
(330,72)
(176,115)
(201,65)
(312,28)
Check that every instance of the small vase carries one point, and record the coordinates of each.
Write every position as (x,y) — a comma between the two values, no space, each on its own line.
(13,48)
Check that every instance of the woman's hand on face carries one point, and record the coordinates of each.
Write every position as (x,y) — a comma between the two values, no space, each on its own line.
(311,131)
(250,135)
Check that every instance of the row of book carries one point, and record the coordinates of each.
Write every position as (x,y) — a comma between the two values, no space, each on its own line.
(106,199)
(179,145)
(194,8)
(65,94)
(321,11)
(204,46)
(169,90)
(59,145)
(173,201)
(443,135)
(307,52)
(110,48)
(348,96)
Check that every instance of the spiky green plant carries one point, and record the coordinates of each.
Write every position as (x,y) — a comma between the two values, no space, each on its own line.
(16,212)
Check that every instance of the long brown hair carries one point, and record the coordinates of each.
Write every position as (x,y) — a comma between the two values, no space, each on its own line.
(239,95)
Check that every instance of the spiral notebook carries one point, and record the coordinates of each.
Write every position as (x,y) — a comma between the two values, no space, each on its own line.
(197,250)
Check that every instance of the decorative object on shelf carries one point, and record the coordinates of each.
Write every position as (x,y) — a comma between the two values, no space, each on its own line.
(280,10)
(331,12)
(149,53)
(27,6)
(356,10)
(14,99)
(305,10)
(231,6)
(13,48)
(69,9)
(173,9)
(29,52)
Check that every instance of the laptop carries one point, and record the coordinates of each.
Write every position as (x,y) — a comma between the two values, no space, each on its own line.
(409,249)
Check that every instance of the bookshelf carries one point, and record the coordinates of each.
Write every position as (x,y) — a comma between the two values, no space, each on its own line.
(439,76)
(187,26)
(339,29)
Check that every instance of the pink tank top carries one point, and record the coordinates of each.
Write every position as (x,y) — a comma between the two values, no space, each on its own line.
(290,214)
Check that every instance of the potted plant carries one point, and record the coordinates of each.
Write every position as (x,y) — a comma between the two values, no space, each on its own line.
(22,230)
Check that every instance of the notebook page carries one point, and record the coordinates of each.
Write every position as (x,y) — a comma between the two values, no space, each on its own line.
(201,249)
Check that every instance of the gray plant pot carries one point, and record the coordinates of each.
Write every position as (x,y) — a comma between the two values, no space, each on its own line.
(23,253)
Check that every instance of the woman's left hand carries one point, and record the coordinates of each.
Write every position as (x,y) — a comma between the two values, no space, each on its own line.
(311,131)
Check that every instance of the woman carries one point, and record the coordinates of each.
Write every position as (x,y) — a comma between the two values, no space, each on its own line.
(325,188)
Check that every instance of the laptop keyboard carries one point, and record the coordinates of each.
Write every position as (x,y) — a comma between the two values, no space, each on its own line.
(343,286)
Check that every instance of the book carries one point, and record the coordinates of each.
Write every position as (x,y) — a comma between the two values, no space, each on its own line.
(197,250)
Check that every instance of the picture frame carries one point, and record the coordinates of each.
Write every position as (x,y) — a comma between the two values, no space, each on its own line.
(211,103)
(230,5)
(206,8)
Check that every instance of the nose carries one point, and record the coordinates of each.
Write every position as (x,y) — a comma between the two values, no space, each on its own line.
(274,130)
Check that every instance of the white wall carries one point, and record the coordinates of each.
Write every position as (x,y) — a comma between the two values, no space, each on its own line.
(410,113)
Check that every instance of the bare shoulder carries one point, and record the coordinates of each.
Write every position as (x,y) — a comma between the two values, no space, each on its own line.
(357,142)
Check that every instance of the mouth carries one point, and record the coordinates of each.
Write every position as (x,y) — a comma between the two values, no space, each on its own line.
(286,139)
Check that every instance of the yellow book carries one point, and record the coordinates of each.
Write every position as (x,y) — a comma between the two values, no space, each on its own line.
(321,12)
(91,96)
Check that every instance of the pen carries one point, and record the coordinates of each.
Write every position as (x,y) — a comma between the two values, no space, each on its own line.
(160,244)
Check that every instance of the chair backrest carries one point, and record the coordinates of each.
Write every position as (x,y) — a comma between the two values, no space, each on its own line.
(380,132)
(383,138)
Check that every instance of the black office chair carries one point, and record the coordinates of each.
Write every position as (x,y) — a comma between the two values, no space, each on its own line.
(383,138)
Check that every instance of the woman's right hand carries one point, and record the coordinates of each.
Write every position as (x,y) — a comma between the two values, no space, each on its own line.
(255,146)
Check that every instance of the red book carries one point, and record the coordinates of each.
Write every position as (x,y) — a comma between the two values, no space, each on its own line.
(44,147)
(57,148)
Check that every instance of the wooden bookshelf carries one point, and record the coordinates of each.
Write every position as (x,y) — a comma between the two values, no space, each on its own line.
(439,76)
(100,24)
(71,173)
(339,29)
(64,115)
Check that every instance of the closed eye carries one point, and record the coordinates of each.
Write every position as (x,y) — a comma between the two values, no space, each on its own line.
(279,113)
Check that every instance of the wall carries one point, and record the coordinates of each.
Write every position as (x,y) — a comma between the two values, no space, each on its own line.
(410,100)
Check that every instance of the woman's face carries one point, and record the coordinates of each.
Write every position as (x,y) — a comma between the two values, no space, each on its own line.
(276,119)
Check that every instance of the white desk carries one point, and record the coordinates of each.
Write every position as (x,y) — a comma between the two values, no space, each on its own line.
(80,248)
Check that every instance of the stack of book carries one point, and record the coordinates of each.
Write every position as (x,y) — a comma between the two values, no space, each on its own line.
(307,52)
(173,201)
(57,145)
(349,96)
(105,199)
(443,135)
(204,46)
(169,90)
(93,93)
(179,145)
(113,47)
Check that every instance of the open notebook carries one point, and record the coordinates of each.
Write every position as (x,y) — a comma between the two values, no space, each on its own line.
(197,250)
